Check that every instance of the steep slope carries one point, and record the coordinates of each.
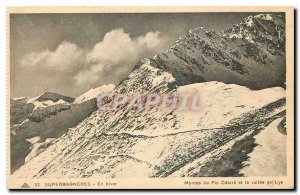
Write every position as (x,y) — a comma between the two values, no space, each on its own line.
(251,53)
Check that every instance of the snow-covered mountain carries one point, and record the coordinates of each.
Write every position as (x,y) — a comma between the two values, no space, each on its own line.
(251,53)
(22,107)
(163,143)
(224,69)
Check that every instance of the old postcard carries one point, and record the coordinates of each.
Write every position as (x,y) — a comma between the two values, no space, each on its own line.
(150,98)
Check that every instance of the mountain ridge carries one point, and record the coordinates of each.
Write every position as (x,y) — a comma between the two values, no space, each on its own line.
(207,55)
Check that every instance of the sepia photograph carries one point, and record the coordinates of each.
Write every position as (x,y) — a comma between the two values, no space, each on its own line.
(150,98)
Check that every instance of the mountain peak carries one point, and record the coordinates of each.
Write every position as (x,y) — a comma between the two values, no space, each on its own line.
(252,52)
(53,97)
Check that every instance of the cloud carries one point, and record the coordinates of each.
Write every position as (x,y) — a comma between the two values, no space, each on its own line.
(66,55)
(117,53)
(109,61)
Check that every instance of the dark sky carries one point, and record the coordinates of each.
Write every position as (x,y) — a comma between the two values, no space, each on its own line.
(71,53)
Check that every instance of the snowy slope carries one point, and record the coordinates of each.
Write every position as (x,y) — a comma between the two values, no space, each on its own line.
(94,93)
(261,161)
(158,143)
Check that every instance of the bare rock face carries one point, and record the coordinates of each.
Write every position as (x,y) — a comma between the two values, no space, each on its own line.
(224,69)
